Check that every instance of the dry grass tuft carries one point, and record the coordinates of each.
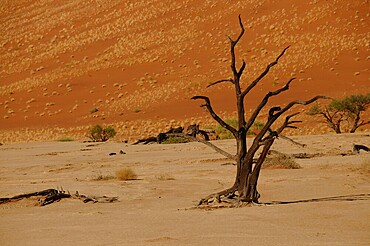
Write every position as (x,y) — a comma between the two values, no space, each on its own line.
(164,177)
(102,177)
(278,160)
(126,174)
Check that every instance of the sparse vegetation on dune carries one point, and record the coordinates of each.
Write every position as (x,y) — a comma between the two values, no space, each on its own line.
(65,139)
(132,60)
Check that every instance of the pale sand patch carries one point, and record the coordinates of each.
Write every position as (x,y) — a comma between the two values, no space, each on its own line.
(155,211)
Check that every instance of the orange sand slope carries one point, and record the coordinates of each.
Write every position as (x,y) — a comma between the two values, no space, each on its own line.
(143,60)
(328,199)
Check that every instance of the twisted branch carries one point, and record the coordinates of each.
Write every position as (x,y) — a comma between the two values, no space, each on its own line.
(291,104)
(237,74)
(263,74)
(214,115)
(220,81)
(264,102)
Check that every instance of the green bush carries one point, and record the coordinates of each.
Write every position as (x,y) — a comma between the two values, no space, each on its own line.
(314,110)
(222,132)
(65,139)
(99,134)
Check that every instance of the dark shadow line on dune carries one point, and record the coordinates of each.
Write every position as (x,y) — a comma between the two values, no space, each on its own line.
(348,198)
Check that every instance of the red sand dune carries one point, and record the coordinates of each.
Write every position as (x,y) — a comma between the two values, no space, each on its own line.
(140,62)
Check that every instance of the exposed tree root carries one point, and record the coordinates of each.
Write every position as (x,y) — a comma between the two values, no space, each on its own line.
(49,196)
(226,203)
(225,196)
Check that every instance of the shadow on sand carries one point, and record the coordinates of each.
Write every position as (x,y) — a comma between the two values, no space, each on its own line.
(349,198)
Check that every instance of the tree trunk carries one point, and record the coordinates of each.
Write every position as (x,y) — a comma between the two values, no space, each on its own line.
(247,174)
(337,129)
(355,123)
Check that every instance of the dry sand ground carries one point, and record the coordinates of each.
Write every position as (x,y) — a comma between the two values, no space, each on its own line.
(156,208)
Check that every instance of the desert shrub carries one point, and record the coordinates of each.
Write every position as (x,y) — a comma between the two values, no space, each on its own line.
(258,125)
(222,132)
(175,140)
(314,110)
(278,160)
(125,174)
(99,134)
(65,139)
(256,128)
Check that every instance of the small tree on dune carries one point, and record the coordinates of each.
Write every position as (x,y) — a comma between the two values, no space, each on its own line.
(344,115)
(248,167)
(99,134)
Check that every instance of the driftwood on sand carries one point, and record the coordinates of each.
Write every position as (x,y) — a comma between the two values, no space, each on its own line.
(358,147)
(46,197)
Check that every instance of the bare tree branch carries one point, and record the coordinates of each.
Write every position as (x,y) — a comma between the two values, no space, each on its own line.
(274,116)
(220,81)
(241,70)
(291,140)
(233,43)
(263,74)
(217,149)
(287,123)
(363,123)
(214,115)
(291,104)
(209,144)
(264,102)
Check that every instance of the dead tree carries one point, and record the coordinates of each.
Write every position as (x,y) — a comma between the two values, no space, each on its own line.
(192,132)
(247,162)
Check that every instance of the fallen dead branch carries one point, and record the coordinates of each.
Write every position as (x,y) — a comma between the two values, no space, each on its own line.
(49,196)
